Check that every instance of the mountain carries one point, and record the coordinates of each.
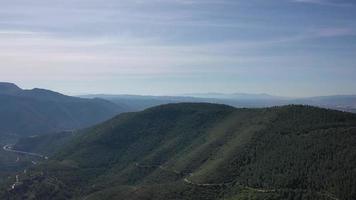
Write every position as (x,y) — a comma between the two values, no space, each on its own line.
(39,111)
(240,96)
(203,151)
(139,102)
(9,88)
(239,100)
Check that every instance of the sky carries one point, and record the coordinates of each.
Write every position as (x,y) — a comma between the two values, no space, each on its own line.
(291,48)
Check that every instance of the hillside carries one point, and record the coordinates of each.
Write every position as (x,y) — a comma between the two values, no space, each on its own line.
(46,144)
(39,111)
(204,151)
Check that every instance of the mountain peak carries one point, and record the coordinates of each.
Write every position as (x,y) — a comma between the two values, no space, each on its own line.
(8,88)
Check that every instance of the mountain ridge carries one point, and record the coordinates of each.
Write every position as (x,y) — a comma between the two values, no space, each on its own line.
(141,102)
(40,111)
(187,150)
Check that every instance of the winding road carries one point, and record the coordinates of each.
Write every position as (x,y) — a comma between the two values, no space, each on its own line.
(9,148)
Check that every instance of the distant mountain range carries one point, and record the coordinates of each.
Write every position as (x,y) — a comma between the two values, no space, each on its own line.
(239,100)
(253,147)
(198,151)
(39,111)
(240,96)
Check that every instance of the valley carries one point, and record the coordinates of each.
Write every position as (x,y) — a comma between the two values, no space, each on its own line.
(200,151)
(177,100)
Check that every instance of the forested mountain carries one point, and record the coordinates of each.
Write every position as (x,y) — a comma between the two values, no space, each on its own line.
(38,111)
(203,151)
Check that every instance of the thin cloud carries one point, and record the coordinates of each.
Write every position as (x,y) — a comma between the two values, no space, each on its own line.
(336,32)
(76,39)
(325,2)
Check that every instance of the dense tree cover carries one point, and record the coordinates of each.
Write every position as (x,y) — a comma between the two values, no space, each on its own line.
(204,151)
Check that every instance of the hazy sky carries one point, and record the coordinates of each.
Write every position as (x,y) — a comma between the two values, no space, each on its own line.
(281,47)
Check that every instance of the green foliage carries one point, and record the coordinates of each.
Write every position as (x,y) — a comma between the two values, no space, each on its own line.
(207,151)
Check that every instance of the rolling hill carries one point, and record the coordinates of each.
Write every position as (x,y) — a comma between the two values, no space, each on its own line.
(203,151)
(39,111)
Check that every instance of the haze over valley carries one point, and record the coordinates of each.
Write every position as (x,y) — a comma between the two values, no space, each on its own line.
(178,100)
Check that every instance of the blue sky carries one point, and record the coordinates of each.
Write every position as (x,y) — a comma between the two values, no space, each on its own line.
(282,47)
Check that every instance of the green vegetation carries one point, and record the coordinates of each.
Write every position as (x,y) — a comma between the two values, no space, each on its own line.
(11,163)
(204,151)
(44,144)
